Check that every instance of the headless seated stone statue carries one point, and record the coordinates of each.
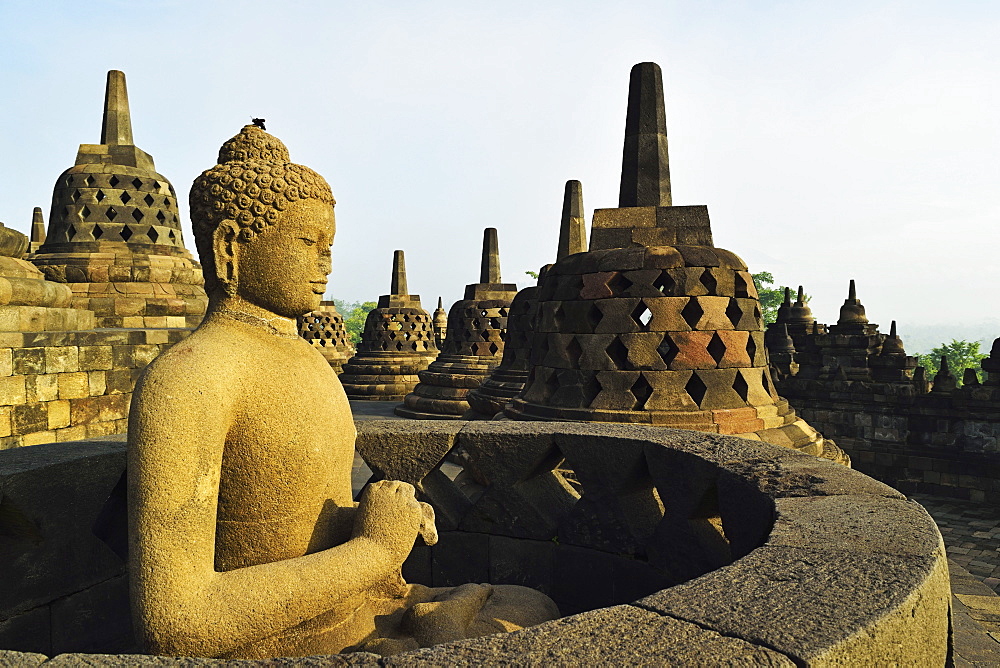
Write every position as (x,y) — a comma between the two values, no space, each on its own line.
(245,539)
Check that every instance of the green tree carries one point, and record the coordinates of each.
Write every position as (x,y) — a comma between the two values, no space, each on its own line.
(533,274)
(770,297)
(354,314)
(961,355)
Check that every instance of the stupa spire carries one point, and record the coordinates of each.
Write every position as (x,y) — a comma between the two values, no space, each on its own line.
(572,230)
(490,271)
(645,177)
(398,286)
(37,228)
(117,127)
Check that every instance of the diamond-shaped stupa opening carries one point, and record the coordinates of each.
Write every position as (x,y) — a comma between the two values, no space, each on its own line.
(126,232)
(574,352)
(734,312)
(126,198)
(551,384)
(99,196)
(619,284)
(751,349)
(708,280)
(594,316)
(98,232)
(668,349)
(741,387)
(618,353)
(113,181)
(137,215)
(112,214)
(642,391)
(717,348)
(696,388)
(664,283)
(137,182)
(692,312)
(642,315)
(742,287)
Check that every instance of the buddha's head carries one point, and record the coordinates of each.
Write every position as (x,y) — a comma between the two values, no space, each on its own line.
(263,226)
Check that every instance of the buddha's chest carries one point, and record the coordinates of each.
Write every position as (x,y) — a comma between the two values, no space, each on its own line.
(291,445)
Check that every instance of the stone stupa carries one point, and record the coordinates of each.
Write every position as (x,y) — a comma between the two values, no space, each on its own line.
(115,234)
(655,325)
(477,328)
(324,329)
(396,343)
(507,380)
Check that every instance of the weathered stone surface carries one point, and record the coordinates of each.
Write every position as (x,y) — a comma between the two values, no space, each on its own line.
(11,659)
(622,635)
(420,449)
(823,606)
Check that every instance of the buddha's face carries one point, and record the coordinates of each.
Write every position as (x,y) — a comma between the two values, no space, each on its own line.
(284,268)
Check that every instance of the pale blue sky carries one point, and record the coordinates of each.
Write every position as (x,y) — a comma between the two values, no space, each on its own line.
(829,140)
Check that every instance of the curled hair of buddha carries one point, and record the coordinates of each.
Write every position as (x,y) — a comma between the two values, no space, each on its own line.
(252,184)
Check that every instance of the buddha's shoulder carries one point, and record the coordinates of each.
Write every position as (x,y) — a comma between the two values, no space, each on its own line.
(208,356)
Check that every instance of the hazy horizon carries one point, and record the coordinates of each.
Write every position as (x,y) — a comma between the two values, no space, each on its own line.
(830,142)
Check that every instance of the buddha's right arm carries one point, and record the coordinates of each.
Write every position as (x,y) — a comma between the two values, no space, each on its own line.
(181,604)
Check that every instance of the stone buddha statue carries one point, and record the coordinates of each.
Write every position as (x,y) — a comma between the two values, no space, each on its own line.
(245,541)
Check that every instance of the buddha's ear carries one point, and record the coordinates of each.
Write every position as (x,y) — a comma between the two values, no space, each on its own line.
(224,248)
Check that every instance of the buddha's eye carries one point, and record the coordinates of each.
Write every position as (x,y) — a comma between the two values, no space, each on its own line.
(308,241)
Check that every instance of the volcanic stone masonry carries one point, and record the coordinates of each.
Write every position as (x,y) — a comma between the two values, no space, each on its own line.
(324,329)
(859,386)
(397,343)
(115,235)
(507,380)
(477,327)
(654,324)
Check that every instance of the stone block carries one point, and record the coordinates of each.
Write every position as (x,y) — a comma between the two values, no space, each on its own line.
(28,418)
(27,632)
(5,426)
(460,557)
(522,561)
(823,606)
(6,361)
(417,448)
(95,619)
(582,579)
(62,359)
(95,358)
(28,360)
(12,659)
(58,414)
(621,635)
(12,389)
(74,385)
(98,383)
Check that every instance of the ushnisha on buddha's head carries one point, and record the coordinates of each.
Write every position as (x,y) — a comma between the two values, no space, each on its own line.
(263,227)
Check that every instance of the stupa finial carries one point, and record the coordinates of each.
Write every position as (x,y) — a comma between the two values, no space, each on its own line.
(852,292)
(490,272)
(572,230)
(788,297)
(117,127)
(801,297)
(398,286)
(37,227)
(645,177)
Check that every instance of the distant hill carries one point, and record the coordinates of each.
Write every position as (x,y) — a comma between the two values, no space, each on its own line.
(921,338)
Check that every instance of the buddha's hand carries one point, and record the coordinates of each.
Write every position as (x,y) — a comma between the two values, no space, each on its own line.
(428,529)
(390,516)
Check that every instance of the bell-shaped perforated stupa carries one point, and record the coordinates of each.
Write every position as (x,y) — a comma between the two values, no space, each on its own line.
(477,327)
(507,380)
(654,324)
(397,342)
(324,329)
(115,234)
